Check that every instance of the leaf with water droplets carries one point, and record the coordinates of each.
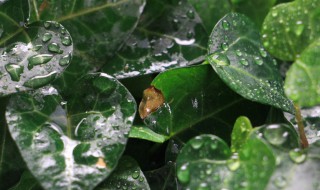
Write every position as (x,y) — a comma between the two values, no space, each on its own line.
(100,27)
(302,84)
(165,38)
(127,175)
(193,95)
(289,28)
(244,65)
(240,132)
(74,141)
(35,62)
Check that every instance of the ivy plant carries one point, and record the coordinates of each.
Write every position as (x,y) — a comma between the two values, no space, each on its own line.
(159,94)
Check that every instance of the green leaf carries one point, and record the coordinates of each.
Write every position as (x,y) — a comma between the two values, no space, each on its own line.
(27,181)
(35,61)
(142,132)
(237,55)
(126,176)
(210,11)
(256,10)
(241,131)
(193,95)
(206,162)
(76,141)
(289,28)
(100,27)
(302,84)
(168,37)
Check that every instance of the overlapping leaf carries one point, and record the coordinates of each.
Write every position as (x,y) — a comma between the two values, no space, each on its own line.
(73,143)
(169,35)
(237,55)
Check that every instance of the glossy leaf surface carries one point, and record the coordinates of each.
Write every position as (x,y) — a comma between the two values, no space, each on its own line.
(289,28)
(73,143)
(36,61)
(100,27)
(168,36)
(127,175)
(237,55)
(302,84)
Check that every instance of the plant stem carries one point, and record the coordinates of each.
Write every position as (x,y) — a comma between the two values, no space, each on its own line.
(303,138)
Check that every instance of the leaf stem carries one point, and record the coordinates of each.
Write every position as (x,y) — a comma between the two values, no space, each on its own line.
(302,134)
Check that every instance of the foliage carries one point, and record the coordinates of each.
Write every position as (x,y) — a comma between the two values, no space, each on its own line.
(159,94)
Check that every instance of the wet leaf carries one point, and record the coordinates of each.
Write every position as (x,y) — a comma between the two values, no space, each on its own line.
(100,27)
(36,61)
(237,55)
(192,95)
(289,28)
(143,132)
(74,142)
(241,131)
(302,84)
(127,175)
(166,38)
(27,181)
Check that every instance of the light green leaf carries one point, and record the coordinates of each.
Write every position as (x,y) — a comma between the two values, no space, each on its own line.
(302,84)
(241,131)
(75,142)
(237,55)
(290,27)
(142,132)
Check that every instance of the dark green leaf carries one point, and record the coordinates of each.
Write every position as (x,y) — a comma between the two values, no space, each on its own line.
(289,28)
(237,55)
(100,27)
(302,84)
(28,182)
(210,11)
(78,141)
(36,61)
(241,131)
(174,38)
(126,176)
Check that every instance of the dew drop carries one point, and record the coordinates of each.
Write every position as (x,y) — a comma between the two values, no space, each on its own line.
(203,186)
(258,61)
(238,53)
(280,182)
(190,34)
(54,48)
(39,81)
(197,143)
(65,60)
(233,163)
(66,41)
(46,37)
(38,60)
(47,24)
(190,14)
(297,155)
(184,174)
(299,28)
(218,59)
(263,52)
(275,134)
(225,25)
(224,46)
(135,174)
(244,62)
(36,47)
(14,71)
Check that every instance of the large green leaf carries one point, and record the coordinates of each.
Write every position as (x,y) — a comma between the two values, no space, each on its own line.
(126,176)
(302,84)
(76,142)
(237,55)
(35,61)
(168,36)
(289,28)
(205,162)
(210,11)
(192,95)
(100,27)
(27,181)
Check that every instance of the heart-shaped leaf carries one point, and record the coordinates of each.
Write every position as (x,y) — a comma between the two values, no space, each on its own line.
(37,61)
(302,84)
(289,28)
(77,142)
(169,35)
(237,55)
(100,27)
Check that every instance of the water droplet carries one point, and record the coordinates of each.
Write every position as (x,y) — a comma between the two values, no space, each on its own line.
(263,52)
(141,179)
(299,28)
(65,60)
(197,143)
(233,163)
(135,174)
(184,174)
(224,46)
(214,145)
(47,24)
(190,14)
(225,25)
(258,61)
(238,53)
(46,37)
(66,41)
(297,155)
(203,186)
(14,71)
(280,182)
(36,47)
(54,48)
(176,24)
(190,34)
(275,134)
(244,62)
(38,60)
(39,81)
(218,59)
(274,14)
